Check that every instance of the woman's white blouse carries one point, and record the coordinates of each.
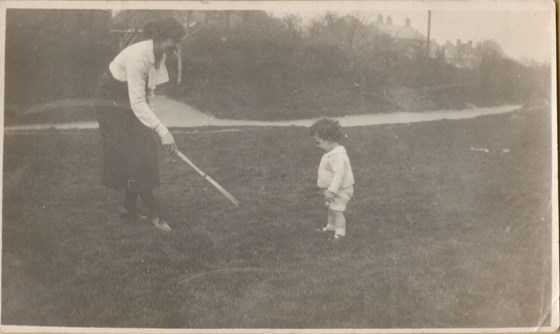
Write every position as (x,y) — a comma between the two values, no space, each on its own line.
(136,66)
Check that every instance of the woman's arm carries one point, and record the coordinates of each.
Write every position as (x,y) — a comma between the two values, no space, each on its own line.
(137,73)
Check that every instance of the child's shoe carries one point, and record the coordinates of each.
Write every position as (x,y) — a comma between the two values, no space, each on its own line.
(325,229)
(338,238)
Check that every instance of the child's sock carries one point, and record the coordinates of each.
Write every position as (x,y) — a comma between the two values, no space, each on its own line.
(341,231)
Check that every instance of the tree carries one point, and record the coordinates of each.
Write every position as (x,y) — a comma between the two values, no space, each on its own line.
(488,49)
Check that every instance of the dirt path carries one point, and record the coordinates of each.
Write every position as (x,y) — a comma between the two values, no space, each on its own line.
(176,114)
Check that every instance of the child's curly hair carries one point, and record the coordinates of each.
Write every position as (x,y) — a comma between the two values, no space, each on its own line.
(327,129)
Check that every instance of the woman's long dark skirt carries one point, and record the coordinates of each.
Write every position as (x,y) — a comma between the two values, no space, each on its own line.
(130,154)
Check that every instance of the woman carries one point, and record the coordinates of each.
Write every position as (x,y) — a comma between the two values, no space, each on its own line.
(130,130)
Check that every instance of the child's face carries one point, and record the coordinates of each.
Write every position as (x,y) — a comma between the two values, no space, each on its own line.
(325,145)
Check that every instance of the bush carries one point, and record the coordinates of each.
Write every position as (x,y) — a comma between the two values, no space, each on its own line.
(59,55)
(269,68)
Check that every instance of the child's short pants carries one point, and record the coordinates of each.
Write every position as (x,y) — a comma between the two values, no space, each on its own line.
(341,199)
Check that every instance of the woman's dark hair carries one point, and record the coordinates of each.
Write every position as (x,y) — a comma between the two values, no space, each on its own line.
(163,29)
(327,129)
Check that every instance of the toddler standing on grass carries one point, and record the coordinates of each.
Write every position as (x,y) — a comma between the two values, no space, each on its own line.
(334,176)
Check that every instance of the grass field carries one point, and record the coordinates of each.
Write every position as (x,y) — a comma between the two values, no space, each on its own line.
(439,235)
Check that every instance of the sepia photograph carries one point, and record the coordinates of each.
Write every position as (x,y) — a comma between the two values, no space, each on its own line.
(279,166)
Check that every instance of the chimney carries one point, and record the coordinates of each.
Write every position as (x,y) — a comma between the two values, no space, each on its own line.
(407,22)
(389,20)
(470,44)
(380,18)
(458,42)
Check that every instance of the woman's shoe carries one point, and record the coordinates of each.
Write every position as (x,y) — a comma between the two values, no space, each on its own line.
(161,224)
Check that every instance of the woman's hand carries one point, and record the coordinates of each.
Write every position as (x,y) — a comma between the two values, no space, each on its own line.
(168,142)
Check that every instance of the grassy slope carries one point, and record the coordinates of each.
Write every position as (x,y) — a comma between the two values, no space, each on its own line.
(327,98)
(439,235)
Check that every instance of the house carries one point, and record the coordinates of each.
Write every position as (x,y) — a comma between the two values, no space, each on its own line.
(400,32)
(462,55)
(407,38)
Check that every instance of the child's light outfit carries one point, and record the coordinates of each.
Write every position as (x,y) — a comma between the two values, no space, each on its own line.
(335,175)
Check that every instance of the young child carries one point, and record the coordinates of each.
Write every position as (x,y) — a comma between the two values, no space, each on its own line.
(335,176)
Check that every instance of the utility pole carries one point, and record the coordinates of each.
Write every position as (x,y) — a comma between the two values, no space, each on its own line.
(428,39)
